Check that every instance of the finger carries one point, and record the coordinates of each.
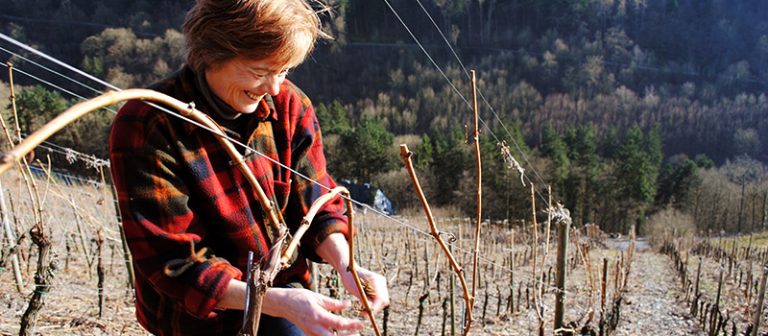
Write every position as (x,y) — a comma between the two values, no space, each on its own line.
(378,304)
(340,323)
(381,297)
(346,333)
(333,304)
(319,330)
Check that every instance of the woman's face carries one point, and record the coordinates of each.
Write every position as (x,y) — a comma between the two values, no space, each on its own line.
(241,83)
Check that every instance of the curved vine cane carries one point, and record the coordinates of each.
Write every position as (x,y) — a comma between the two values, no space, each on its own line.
(362,288)
(405,154)
(263,276)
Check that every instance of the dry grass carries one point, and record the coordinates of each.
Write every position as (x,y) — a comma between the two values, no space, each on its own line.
(669,224)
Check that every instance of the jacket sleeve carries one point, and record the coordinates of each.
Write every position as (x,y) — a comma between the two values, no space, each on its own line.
(308,159)
(162,231)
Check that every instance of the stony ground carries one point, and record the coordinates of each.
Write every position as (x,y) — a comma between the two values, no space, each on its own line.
(652,306)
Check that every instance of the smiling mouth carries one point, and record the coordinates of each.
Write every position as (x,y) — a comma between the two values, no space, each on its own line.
(252,95)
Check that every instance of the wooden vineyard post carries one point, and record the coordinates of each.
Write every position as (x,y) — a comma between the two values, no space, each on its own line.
(549,220)
(127,257)
(696,295)
(603,285)
(12,241)
(716,306)
(422,298)
(719,287)
(563,228)
(100,271)
(82,234)
(445,317)
(512,255)
(537,304)
(534,241)
(6,221)
(452,283)
(385,321)
(760,300)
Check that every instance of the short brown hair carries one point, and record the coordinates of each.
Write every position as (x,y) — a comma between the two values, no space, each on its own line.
(283,31)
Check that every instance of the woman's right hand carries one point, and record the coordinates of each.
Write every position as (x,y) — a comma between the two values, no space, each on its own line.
(310,311)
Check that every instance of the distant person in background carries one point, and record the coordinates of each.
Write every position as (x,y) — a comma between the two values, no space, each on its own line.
(185,205)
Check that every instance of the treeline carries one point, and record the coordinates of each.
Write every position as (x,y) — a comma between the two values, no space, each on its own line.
(626,107)
(610,180)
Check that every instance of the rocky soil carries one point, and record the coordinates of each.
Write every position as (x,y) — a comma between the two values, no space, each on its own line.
(652,306)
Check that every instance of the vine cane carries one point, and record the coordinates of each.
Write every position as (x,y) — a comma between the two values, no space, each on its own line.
(479,194)
(361,287)
(406,156)
(305,222)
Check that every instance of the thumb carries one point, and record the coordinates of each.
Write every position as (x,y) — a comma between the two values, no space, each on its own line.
(333,305)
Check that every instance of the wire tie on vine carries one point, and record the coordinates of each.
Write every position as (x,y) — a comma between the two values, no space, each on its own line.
(39,291)
(451,237)
(510,160)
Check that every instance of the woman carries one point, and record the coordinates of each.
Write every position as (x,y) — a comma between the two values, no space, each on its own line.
(179,192)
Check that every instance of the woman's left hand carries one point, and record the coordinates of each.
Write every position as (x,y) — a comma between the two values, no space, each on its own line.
(335,251)
(374,284)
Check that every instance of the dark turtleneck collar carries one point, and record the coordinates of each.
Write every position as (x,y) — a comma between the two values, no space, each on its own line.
(222,109)
(192,86)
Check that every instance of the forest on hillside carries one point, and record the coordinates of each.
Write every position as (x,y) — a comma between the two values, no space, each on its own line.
(633,110)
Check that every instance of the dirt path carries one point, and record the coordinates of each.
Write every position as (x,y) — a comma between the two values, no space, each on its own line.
(651,306)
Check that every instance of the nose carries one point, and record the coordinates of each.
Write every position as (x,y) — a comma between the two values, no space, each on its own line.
(272,84)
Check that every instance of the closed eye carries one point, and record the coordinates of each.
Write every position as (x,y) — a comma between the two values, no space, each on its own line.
(263,73)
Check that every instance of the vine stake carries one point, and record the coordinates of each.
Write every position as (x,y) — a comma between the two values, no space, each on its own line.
(563,220)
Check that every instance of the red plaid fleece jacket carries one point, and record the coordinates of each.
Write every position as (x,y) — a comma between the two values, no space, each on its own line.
(178,191)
